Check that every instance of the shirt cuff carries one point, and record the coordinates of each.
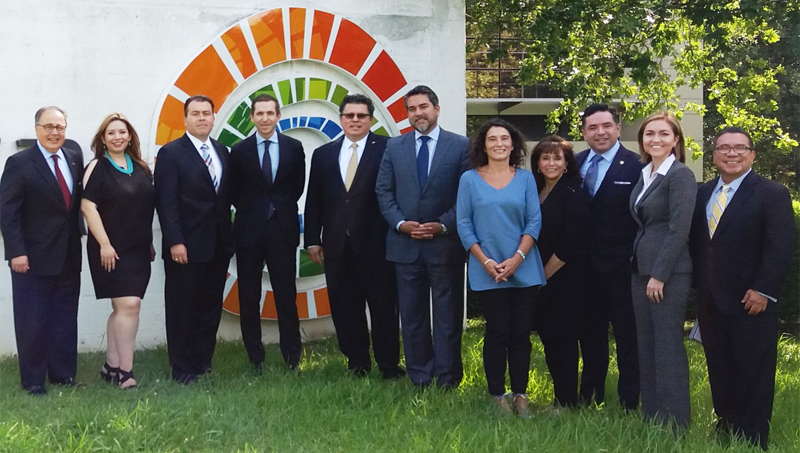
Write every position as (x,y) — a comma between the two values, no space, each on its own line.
(768,297)
(397,227)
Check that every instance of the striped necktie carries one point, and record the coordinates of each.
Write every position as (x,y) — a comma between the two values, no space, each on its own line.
(210,164)
(716,211)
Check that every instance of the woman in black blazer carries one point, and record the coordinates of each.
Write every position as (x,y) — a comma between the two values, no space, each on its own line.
(562,245)
(662,204)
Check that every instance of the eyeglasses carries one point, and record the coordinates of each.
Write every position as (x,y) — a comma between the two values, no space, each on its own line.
(350,116)
(52,127)
(725,149)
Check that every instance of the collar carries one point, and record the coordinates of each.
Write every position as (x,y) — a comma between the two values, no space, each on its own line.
(347,143)
(608,155)
(272,139)
(662,169)
(46,154)
(198,143)
(734,185)
(434,134)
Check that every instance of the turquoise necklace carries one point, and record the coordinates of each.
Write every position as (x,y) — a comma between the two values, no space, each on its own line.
(128,164)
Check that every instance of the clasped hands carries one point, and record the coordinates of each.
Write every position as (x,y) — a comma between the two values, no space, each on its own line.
(421,230)
(501,272)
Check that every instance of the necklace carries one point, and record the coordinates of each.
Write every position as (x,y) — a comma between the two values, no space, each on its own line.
(128,164)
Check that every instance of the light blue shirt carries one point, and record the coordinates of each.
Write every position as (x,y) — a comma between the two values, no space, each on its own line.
(497,219)
(63,165)
(602,166)
(274,151)
(434,139)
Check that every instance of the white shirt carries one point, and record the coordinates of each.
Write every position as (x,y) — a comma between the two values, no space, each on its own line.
(648,176)
(63,165)
(346,153)
(215,162)
(602,166)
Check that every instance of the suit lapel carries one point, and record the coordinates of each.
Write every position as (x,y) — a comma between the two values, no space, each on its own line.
(193,156)
(408,161)
(251,158)
(44,169)
(653,185)
(734,208)
(442,147)
(73,168)
(366,160)
(285,158)
(611,174)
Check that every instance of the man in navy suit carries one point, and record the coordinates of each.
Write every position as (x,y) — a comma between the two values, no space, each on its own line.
(344,226)
(742,240)
(417,187)
(269,171)
(609,174)
(40,197)
(191,180)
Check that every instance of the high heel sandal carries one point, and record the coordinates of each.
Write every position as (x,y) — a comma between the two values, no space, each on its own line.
(123,377)
(520,405)
(109,373)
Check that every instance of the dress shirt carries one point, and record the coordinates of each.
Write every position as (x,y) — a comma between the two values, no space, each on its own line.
(346,152)
(274,151)
(648,176)
(602,166)
(434,139)
(63,165)
(211,151)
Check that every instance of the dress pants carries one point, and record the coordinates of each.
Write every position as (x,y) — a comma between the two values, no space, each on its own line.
(663,364)
(280,254)
(609,299)
(193,302)
(741,354)
(46,325)
(507,340)
(440,356)
(354,281)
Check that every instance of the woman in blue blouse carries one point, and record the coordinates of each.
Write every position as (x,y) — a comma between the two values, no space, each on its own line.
(498,222)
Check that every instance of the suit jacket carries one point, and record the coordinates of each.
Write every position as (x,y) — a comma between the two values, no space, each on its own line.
(333,211)
(401,198)
(34,220)
(252,194)
(612,228)
(565,222)
(189,210)
(752,246)
(664,215)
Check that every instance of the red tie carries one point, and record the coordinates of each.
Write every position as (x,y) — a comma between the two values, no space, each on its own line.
(62,183)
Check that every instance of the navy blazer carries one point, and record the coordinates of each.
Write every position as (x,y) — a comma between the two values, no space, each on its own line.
(33,217)
(612,228)
(252,194)
(401,198)
(189,210)
(752,246)
(332,212)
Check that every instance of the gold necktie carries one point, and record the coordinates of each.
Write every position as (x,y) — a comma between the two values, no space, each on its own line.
(352,166)
(718,209)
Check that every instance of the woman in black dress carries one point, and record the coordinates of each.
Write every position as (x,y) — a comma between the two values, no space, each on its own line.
(118,203)
(562,245)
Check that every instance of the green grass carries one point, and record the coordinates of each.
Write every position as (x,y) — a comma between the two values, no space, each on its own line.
(324,410)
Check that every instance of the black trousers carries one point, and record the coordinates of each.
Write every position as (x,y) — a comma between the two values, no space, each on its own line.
(741,354)
(193,302)
(46,325)
(353,282)
(508,313)
(281,258)
(609,300)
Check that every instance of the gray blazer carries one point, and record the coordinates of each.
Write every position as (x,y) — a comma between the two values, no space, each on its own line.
(401,198)
(664,215)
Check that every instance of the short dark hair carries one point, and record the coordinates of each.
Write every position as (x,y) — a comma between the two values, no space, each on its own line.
(265,98)
(422,89)
(734,130)
(41,111)
(553,144)
(357,98)
(477,146)
(199,98)
(595,108)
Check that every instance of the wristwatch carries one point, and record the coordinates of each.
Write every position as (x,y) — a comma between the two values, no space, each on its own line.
(444,228)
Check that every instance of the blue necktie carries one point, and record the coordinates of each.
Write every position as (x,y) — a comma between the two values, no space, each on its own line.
(591,175)
(422,162)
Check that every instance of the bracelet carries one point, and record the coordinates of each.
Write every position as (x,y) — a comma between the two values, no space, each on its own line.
(487,261)
(519,252)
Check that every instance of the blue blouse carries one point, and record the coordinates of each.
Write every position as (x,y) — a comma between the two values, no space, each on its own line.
(497,219)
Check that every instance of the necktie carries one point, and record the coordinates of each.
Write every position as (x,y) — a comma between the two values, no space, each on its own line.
(422,162)
(591,175)
(352,166)
(266,162)
(716,210)
(210,164)
(62,183)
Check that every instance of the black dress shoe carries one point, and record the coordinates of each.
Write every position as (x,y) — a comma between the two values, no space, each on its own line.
(69,382)
(36,390)
(394,374)
(295,368)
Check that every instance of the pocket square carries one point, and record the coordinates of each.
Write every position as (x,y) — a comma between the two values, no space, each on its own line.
(625,183)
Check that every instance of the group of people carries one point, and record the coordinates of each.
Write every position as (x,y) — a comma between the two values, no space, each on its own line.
(583,240)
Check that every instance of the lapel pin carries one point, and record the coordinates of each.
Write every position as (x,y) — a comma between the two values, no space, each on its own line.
(622,162)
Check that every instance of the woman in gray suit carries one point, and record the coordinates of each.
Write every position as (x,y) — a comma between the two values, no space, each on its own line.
(662,204)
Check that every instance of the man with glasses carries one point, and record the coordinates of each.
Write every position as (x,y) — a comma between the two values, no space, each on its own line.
(345,228)
(40,198)
(742,240)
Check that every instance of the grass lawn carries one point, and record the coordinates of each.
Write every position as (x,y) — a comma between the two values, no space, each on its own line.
(324,410)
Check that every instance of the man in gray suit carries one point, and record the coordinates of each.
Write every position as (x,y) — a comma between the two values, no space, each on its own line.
(417,186)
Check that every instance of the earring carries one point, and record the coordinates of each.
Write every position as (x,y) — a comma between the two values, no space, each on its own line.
(104,147)
(539,170)
(565,171)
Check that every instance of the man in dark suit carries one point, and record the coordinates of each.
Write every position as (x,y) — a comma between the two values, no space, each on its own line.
(609,172)
(342,208)
(742,240)
(269,175)
(191,180)
(417,187)
(40,197)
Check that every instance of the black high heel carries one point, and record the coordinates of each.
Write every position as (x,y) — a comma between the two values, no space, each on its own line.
(123,377)
(109,373)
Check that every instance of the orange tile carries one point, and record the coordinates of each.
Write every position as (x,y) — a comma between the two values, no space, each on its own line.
(406,130)
(231,302)
(297,29)
(320,34)
(352,47)
(322,302)
(170,121)
(384,77)
(302,305)
(237,46)
(398,110)
(267,29)
(269,311)
(207,75)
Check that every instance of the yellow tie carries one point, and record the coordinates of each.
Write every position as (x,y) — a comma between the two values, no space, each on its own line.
(352,166)
(718,209)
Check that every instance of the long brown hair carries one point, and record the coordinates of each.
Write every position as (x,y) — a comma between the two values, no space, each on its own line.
(680,147)
(133,149)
